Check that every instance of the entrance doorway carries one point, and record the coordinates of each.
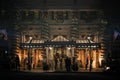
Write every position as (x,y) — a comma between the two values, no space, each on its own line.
(55,56)
(52,54)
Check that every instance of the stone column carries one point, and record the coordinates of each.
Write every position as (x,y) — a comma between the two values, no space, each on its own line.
(51,53)
(47,52)
(73,52)
(51,57)
(68,51)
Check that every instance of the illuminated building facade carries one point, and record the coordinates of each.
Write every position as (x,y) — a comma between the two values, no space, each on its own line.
(61,31)
(41,33)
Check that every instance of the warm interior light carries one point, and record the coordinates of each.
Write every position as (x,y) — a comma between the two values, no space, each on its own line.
(30,38)
(88,37)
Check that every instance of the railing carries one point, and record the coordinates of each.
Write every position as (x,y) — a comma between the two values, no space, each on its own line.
(61,43)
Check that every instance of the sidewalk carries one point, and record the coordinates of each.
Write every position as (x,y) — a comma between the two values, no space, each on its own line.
(80,70)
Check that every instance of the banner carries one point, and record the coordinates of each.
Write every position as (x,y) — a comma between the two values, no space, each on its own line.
(3,34)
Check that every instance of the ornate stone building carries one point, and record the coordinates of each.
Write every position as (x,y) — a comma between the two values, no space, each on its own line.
(44,28)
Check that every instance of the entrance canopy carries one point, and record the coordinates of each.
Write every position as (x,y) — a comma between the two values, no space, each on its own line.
(60,41)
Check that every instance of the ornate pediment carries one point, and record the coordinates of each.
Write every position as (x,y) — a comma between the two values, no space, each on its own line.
(60,38)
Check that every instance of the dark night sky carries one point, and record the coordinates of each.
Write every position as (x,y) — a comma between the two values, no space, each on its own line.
(111,9)
(109,5)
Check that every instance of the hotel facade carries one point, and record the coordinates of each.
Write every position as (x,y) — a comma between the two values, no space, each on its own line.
(42,32)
